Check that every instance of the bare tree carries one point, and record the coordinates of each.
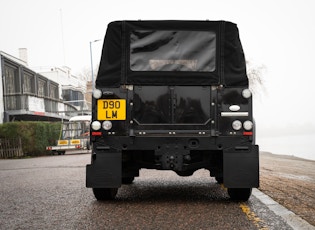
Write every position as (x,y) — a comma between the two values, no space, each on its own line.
(255,77)
(85,73)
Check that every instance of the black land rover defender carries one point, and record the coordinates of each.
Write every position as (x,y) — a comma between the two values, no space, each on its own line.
(172,95)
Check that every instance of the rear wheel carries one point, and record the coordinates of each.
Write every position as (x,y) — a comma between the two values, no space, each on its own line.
(219,179)
(105,193)
(185,173)
(127,180)
(88,145)
(240,194)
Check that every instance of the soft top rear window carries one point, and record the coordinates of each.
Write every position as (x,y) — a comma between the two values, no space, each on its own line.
(186,51)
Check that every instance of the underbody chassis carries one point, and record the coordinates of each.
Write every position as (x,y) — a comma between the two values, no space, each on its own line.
(119,161)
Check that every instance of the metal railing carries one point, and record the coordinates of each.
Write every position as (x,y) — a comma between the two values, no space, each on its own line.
(24,102)
(10,148)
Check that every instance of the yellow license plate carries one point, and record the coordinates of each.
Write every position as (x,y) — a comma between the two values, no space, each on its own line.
(63,142)
(111,109)
(75,142)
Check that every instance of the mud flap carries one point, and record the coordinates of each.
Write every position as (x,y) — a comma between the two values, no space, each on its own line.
(105,171)
(241,167)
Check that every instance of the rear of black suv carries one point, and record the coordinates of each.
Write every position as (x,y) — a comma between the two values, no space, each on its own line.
(172,95)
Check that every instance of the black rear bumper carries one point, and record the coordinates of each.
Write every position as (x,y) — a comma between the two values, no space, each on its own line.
(233,158)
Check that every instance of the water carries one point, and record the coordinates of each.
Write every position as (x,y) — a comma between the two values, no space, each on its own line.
(302,146)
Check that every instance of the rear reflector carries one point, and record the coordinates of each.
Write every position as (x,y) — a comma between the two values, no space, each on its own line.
(96,133)
(248,133)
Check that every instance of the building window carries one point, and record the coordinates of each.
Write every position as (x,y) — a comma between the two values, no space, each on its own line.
(29,83)
(53,91)
(11,79)
(73,96)
(42,88)
(66,94)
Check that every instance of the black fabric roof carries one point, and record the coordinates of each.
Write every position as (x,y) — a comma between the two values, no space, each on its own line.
(115,69)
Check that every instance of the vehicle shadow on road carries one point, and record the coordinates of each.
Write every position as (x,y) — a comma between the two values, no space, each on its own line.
(173,206)
(171,202)
(172,193)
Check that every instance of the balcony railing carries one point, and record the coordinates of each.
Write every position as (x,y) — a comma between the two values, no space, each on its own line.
(19,104)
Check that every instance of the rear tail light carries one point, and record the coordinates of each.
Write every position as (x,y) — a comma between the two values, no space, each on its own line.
(96,133)
(248,133)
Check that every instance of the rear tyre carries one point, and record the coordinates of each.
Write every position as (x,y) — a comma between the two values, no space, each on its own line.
(185,173)
(219,179)
(105,193)
(88,145)
(239,194)
(127,180)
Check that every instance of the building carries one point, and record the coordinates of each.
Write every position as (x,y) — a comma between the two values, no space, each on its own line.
(48,96)
(72,88)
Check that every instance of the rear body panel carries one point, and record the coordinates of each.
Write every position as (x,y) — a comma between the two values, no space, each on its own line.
(172,105)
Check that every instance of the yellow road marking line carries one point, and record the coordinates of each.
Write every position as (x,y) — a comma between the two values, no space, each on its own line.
(252,217)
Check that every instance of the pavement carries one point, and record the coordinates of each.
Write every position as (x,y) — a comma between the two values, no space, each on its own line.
(288,183)
(288,216)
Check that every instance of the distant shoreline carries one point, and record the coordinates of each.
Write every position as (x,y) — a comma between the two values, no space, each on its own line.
(292,157)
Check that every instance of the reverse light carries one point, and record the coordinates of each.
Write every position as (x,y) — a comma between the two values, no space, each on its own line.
(248,125)
(97,94)
(246,93)
(96,125)
(237,125)
(107,125)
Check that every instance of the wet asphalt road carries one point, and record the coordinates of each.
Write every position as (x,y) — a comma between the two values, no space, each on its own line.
(49,193)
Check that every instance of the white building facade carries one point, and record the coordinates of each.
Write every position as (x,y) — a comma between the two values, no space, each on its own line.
(28,95)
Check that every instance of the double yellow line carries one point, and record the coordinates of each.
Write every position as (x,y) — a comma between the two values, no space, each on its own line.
(253,217)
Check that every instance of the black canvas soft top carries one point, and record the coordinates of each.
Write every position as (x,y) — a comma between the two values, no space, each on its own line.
(227,61)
